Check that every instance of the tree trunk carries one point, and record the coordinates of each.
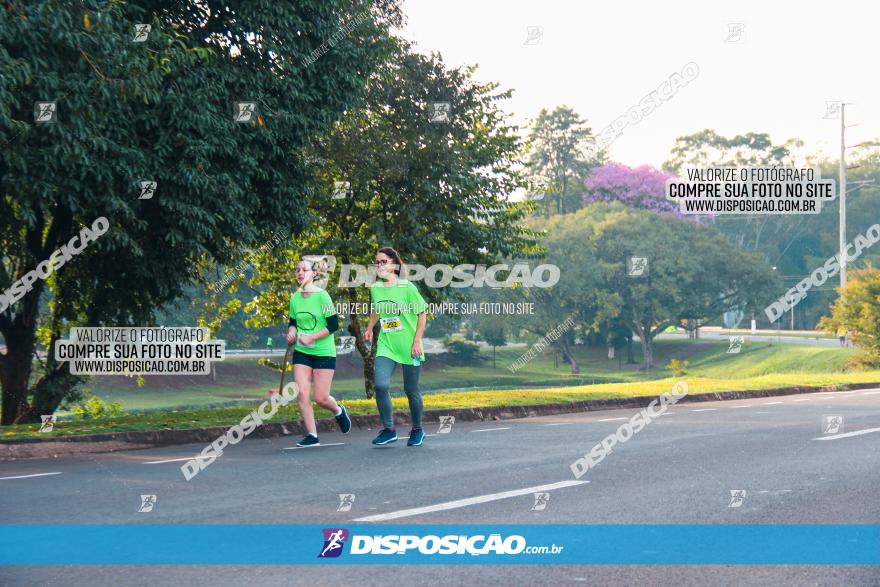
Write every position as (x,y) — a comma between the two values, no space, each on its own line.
(493,356)
(647,352)
(568,353)
(16,365)
(630,359)
(15,374)
(367,354)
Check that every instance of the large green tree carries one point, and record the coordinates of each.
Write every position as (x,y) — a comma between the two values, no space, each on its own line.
(693,272)
(436,190)
(159,110)
(579,297)
(562,150)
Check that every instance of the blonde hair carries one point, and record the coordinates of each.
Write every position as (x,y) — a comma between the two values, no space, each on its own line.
(318,264)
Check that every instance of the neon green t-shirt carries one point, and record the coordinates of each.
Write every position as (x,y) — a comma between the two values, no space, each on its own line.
(398,308)
(311,315)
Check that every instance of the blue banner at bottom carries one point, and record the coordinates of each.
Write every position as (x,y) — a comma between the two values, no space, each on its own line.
(627,544)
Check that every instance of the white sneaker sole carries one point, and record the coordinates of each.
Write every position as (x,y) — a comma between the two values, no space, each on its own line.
(395,439)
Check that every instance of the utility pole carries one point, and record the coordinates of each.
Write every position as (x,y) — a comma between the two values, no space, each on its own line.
(842,196)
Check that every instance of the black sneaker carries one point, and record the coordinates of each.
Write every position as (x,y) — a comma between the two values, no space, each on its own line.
(416,437)
(309,440)
(343,420)
(387,435)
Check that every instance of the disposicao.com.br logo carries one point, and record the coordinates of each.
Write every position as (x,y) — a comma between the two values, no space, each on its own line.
(431,544)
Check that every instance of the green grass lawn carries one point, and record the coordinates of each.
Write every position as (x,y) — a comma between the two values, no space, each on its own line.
(169,402)
(240,380)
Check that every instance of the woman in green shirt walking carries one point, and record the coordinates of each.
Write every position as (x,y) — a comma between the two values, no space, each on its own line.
(400,310)
(313,321)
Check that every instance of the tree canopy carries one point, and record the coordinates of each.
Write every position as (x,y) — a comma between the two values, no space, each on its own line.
(161,110)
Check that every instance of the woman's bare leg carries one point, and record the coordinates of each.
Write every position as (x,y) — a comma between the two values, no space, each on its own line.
(323,379)
(302,375)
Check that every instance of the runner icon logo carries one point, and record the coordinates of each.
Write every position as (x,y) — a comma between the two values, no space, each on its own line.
(737,497)
(446,423)
(147,503)
(334,540)
(637,266)
(346,500)
(736,343)
(832,424)
(541,500)
(48,423)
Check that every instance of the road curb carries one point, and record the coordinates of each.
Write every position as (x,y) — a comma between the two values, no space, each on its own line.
(26,448)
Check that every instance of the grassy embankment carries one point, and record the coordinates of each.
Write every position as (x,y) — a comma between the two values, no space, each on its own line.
(189,402)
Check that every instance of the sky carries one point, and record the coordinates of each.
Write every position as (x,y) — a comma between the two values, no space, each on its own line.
(602,58)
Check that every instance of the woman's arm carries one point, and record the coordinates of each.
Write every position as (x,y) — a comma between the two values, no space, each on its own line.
(368,334)
(420,327)
(291,330)
(417,341)
(332,326)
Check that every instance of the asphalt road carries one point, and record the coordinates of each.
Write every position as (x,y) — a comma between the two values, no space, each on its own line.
(680,469)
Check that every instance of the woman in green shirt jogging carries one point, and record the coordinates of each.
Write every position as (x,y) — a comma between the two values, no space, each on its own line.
(313,321)
(400,310)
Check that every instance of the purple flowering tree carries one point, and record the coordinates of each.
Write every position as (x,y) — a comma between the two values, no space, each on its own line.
(642,187)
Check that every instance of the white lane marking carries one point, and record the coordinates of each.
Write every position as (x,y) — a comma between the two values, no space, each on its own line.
(460,503)
(560,423)
(668,413)
(804,399)
(612,419)
(770,403)
(490,429)
(315,446)
(28,476)
(705,410)
(174,460)
(746,406)
(870,392)
(848,434)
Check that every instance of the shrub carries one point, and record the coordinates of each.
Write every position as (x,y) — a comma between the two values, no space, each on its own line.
(94,408)
(679,368)
(461,349)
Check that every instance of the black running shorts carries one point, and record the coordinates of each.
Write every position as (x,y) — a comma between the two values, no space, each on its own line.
(313,361)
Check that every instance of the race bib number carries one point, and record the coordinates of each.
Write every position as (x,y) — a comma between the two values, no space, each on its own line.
(391,324)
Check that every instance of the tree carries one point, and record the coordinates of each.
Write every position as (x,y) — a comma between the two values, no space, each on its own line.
(858,308)
(578,302)
(771,234)
(794,244)
(707,148)
(561,153)
(435,191)
(692,273)
(642,187)
(160,111)
(494,333)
